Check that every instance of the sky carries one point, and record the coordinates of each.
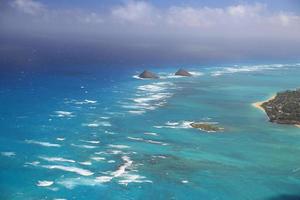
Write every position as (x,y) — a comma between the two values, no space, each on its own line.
(157,32)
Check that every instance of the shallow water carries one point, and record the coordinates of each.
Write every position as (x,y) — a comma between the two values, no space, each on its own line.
(104,136)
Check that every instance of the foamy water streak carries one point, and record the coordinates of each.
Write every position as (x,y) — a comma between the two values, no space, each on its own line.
(76,170)
(8,154)
(176,125)
(56,159)
(44,183)
(45,144)
(251,68)
(119,146)
(84,146)
(61,113)
(148,141)
(149,97)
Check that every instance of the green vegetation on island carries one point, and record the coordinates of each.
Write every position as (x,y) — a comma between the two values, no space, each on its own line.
(206,126)
(284,108)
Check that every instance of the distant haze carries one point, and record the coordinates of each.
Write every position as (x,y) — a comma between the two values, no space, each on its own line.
(141,32)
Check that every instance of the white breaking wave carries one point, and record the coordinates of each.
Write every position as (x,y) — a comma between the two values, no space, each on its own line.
(149,133)
(149,97)
(71,183)
(57,159)
(84,146)
(137,112)
(45,144)
(103,179)
(91,141)
(151,88)
(60,139)
(91,125)
(148,141)
(85,163)
(97,124)
(81,102)
(251,68)
(123,175)
(61,113)
(176,125)
(44,183)
(96,158)
(76,170)
(119,146)
(122,168)
(8,154)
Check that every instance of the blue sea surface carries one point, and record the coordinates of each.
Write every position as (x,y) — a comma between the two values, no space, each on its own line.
(106,134)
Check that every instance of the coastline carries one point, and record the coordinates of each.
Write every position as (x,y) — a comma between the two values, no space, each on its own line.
(259,103)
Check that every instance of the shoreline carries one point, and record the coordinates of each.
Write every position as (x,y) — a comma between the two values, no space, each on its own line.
(259,103)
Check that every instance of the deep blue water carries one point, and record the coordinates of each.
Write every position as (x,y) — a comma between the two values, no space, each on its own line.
(103,134)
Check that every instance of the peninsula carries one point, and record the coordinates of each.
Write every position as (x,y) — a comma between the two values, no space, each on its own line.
(283,108)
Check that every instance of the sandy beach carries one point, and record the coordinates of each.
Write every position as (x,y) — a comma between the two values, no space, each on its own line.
(258,104)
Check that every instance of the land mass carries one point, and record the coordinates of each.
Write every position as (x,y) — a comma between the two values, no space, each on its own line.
(283,108)
(206,126)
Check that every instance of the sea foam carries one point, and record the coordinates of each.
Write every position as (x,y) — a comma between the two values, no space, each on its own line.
(56,159)
(76,170)
(45,144)
(44,183)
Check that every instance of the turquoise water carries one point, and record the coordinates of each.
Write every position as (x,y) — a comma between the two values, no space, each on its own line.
(107,135)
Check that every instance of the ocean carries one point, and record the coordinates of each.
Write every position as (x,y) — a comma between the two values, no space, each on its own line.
(106,134)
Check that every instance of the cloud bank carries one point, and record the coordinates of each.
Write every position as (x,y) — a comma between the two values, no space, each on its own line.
(140,32)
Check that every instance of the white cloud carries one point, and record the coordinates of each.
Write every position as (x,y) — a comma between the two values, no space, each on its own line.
(233,31)
(28,6)
(135,12)
(245,10)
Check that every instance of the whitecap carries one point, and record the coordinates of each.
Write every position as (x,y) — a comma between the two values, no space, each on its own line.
(147,141)
(137,77)
(250,68)
(61,113)
(45,144)
(149,133)
(97,124)
(57,159)
(91,125)
(84,146)
(44,183)
(71,183)
(119,146)
(121,170)
(85,163)
(133,178)
(8,154)
(60,139)
(96,158)
(91,141)
(103,179)
(137,112)
(34,163)
(86,101)
(176,125)
(105,117)
(76,170)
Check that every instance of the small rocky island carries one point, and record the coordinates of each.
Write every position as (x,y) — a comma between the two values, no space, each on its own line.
(147,74)
(182,72)
(206,126)
(284,108)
